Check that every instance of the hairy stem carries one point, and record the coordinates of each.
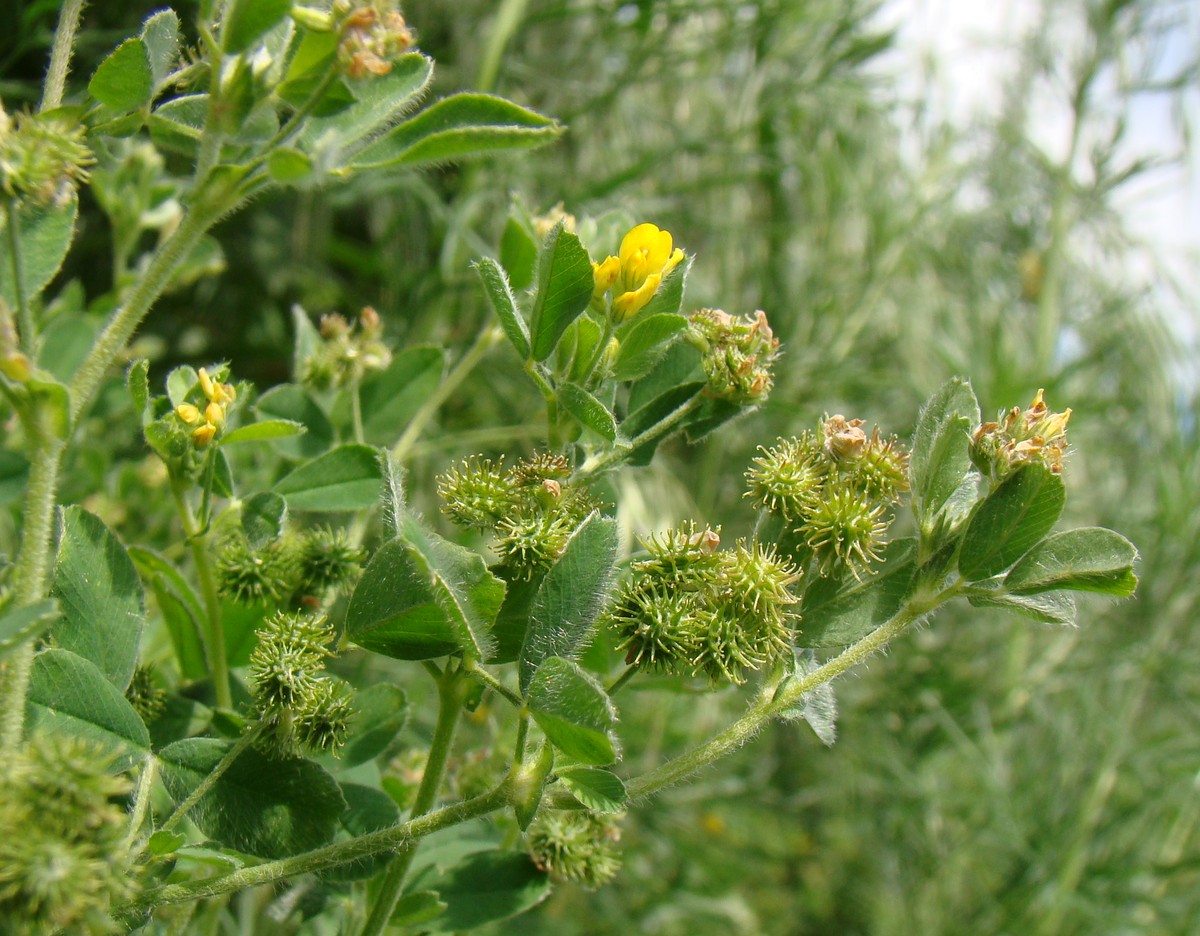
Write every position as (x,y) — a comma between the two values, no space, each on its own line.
(214,631)
(60,54)
(484,342)
(770,704)
(26,327)
(30,579)
(331,856)
(599,463)
(452,693)
(207,783)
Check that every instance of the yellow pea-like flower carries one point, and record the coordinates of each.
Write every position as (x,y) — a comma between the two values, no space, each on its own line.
(204,434)
(646,256)
(188,413)
(215,414)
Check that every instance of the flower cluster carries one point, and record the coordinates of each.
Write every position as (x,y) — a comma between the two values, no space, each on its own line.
(63,852)
(575,846)
(532,508)
(692,608)
(1035,436)
(347,351)
(373,34)
(833,489)
(738,354)
(43,157)
(205,424)
(298,708)
(646,256)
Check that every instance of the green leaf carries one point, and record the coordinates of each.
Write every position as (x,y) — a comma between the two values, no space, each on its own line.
(65,342)
(940,457)
(263,431)
(499,294)
(19,625)
(1013,518)
(380,713)
(482,888)
(46,235)
(1054,607)
(160,34)
(346,478)
(69,695)
(391,397)
(588,411)
(596,789)
(818,707)
(1088,559)
(458,127)
(293,403)
(393,495)
(645,344)
(416,908)
(834,613)
(181,610)
(378,105)
(103,609)
(180,382)
(368,809)
(246,20)
(176,124)
(271,808)
(563,613)
(124,80)
(165,843)
(422,597)
(263,516)
(288,166)
(518,254)
(512,621)
(564,288)
(52,402)
(574,711)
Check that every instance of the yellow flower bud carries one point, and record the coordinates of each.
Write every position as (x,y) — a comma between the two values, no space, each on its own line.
(605,274)
(188,413)
(214,413)
(206,383)
(204,434)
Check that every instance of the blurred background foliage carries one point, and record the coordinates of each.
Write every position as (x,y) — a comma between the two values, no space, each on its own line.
(991,775)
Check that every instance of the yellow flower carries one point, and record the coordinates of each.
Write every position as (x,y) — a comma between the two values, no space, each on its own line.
(204,434)
(188,413)
(646,256)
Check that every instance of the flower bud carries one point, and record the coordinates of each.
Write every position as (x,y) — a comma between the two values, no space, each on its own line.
(204,434)
(576,846)
(188,413)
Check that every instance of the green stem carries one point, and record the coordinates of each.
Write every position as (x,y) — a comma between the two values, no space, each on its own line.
(356,420)
(601,462)
(484,342)
(770,704)
(125,320)
(208,782)
(629,673)
(503,27)
(25,324)
(211,137)
(479,673)
(141,805)
(214,635)
(30,579)
(331,856)
(60,54)
(452,693)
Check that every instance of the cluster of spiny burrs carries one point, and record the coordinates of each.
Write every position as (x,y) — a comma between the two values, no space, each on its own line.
(64,843)
(575,846)
(43,157)
(306,565)
(739,354)
(532,508)
(834,488)
(691,607)
(299,709)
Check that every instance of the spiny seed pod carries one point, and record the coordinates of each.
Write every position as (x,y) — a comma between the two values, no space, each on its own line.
(844,528)
(326,561)
(881,470)
(291,653)
(545,466)
(322,721)
(43,157)
(580,847)
(659,627)
(256,576)
(147,699)
(63,856)
(476,493)
(1035,436)
(787,476)
(687,555)
(531,544)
